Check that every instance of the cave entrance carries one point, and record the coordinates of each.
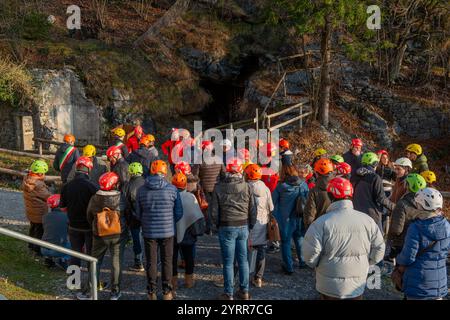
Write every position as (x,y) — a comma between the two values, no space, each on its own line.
(226,95)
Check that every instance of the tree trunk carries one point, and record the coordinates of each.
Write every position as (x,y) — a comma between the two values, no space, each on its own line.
(398,61)
(325,78)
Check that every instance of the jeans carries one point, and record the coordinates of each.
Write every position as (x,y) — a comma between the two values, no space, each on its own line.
(188,254)
(292,229)
(260,261)
(137,245)
(233,241)
(55,254)
(80,240)
(36,231)
(166,252)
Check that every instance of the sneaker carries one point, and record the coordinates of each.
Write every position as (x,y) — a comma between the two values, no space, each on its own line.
(218,284)
(137,267)
(241,295)
(115,295)
(225,296)
(83,296)
(257,282)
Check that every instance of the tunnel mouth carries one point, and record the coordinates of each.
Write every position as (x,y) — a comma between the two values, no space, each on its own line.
(227,95)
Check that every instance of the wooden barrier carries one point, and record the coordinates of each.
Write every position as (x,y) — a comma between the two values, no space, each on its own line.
(41,141)
(23,174)
(28,154)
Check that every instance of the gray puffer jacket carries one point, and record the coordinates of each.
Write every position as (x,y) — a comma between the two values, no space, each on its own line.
(233,203)
(341,245)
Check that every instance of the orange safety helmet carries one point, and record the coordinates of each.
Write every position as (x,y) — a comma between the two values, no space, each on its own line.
(323,166)
(69,138)
(284,143)
(253,172)
(179,180)
(158,167)
(234,165)
(147,140)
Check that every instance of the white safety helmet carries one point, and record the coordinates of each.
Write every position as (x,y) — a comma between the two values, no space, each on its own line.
(430,199)
(175,134)
(404,162)
(226,143)
(185,133)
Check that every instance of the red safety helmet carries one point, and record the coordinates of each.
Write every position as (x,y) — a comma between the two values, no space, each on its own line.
(381,152)
(84,162)
(357,142)
(259,143)
(244,154)
(323,166)
(54,200)
(253,172)
(108,181)
(343,168)
(113,151)
(138,131)
(284,143)
(183,167)
(234,165)
(206,144)
(271,147)
(340,188)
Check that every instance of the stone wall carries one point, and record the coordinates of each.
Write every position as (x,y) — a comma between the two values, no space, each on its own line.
(8,138)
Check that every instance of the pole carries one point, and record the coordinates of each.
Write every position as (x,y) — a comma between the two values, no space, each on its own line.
(257,123)
(40,148)
(301,119)
(94,280)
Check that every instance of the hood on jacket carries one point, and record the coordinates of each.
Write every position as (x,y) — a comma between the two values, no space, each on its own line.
(293,181)
(340,205)
(434,228)
(234,184)
(363,171)
(29,183)
(156,182)
(258,188)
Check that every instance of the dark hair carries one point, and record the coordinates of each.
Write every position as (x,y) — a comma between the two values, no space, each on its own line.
(290,171)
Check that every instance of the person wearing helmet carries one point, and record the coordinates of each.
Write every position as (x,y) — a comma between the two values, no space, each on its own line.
(158,208)
(343,170)
(65,157)
(285,199)
(386,171)
(318,154)
(97,170)
(55,231)
(75,197)
(233,212)
(318,201)
(133,141)
(35,195)
(191,224)
(337,159)
(244,155)
(258,235)
(402,167)
(143,154)
(130,190)
(341,245)
(425,250)
(399,217)
(306,172)
(419,161)
(353,156)
(369,196)
(118,164)
(119,137)
(228,151)
(108,197)
(192,180)
(430,178)
(286,154)
(172,148)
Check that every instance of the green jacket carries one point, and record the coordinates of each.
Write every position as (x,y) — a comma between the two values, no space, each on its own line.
(420,165)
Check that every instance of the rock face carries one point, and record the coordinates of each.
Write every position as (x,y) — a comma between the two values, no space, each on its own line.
(62,107)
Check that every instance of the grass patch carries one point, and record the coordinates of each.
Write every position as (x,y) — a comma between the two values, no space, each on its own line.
(22,163)
(23,278)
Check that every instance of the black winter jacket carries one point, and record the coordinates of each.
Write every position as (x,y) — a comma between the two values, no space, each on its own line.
(75,196)
(144,156)
(354,162)
(121,169)
(94,174)
(369,196)
(130,191)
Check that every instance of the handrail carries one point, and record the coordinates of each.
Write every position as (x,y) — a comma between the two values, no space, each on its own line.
(28,154)
(42,140)
(51,246)
(273,94)
(290,121)
(287,109)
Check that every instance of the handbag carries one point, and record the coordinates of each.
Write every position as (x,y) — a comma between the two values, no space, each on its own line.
(273,230)
(108,222)
(399,271)
(201,198)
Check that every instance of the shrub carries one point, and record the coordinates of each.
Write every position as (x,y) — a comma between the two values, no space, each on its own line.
(35,26)
(15,83)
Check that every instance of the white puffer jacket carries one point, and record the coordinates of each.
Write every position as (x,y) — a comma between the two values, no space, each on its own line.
(341,245)
(264,205)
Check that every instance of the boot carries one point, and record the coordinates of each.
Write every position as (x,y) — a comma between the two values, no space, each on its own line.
(189,280)
(168,295)
(174,285)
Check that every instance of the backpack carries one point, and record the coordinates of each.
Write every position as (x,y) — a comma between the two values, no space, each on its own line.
(108,222)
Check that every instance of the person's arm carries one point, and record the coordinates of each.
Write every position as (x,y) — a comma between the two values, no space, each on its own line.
(165,147)
(377,245)
(310,210)
(138,210)
(398,219)
(252,209)
(90,211)
(215,219)
(380,195)
(411,247)
(178,208)
(56,161)
(312,244)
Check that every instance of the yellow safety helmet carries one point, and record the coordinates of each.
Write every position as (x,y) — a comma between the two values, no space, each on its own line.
(320,152)
(415,148)
(119,132)
(89,151)
(429,176)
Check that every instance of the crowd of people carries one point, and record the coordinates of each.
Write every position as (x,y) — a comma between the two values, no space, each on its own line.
(342,213)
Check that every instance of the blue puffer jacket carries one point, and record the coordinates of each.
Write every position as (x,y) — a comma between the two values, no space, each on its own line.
(285,198)
(158,208)
(426,275)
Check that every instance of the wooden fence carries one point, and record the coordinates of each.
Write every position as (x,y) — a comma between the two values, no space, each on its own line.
(42,141)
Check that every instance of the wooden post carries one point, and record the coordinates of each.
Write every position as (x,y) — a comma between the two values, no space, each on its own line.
(268,129)
(40,148)
(257,123)
(301,119)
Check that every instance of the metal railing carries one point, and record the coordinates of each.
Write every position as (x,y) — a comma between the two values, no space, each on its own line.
(51,246)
